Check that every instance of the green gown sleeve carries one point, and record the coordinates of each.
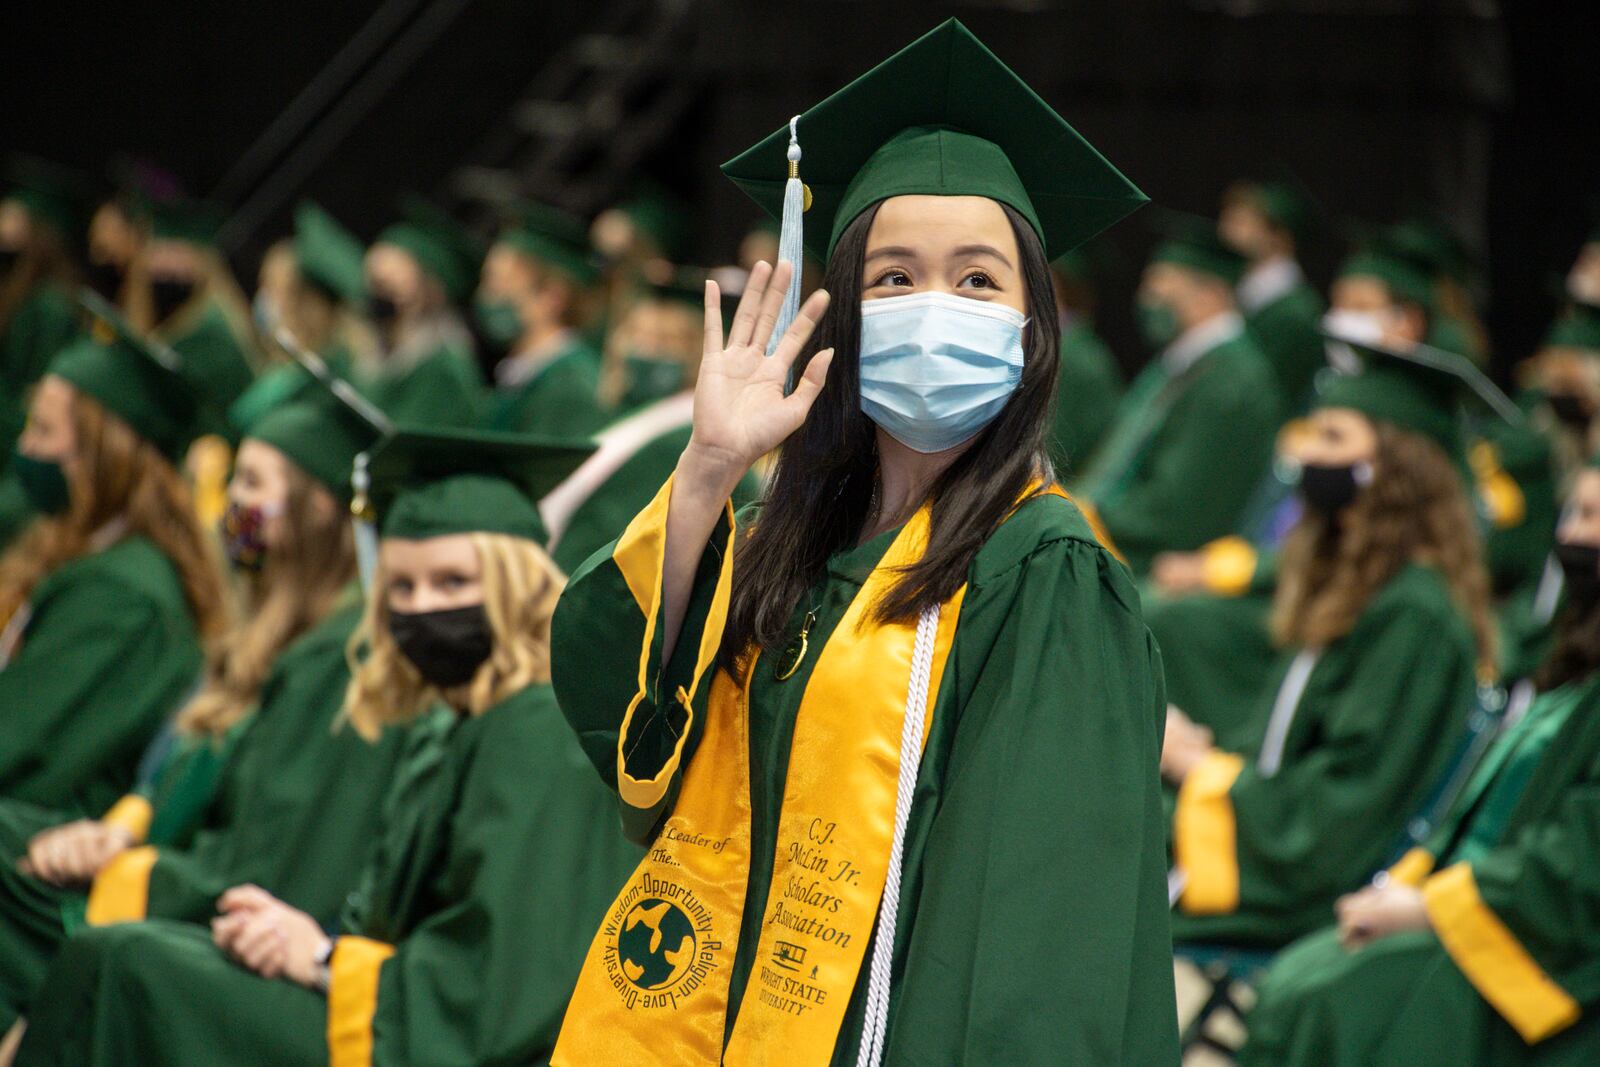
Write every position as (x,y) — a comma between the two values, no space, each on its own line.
(1375,733)
(534,858)
(1041,926)
(1199,471)
(99,669)
(561,402)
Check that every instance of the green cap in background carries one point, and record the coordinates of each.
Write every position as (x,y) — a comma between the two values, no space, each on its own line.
(1192,242)
(442,246)
(52,195)
(554,238)
(660,216)
(140,381)
(189,221)
(1430,241)
(1401,273)
(328,255)
(1426,391)
(431,483)
(941,117)
(321,431)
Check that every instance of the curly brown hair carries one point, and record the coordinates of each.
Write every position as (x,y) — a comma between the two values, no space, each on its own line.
(1415,511)
(301,581)
(120,476)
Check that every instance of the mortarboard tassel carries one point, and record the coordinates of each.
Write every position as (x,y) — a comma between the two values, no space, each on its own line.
(791,236)
(362,517)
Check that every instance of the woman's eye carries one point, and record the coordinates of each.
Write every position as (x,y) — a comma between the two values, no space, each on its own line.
(978,280)
(892,277)
(399,587)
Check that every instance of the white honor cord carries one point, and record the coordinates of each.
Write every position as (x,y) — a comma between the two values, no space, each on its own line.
(877,1011)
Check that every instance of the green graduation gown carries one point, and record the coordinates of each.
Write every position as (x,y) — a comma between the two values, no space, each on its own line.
(1285,326)
(1268,842)
(211,353)
(1088,388)
(559,400)
(108,651)
(1509,974)
(1032,914)
(44,321)
(1185,452)
(36,916)
(500,853)
(442,388)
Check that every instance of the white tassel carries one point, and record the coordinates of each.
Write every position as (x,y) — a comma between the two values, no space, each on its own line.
(791,237)
(361,520)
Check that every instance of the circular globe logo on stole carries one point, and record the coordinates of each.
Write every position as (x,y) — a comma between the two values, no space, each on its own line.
(656,944)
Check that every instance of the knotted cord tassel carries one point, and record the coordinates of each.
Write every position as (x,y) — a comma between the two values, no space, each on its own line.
(362,519)
(791,237)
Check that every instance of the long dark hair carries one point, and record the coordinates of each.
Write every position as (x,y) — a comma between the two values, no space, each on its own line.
(1576,654)
(821,489)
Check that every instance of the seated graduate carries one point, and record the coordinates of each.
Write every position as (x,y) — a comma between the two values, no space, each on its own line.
(417,273)
(881,734)
(1090,385)
(500,849)
(535,289)
(261,783)
(651,363)
(1382,617)
(1193,434)
(1478,948)
(107,596)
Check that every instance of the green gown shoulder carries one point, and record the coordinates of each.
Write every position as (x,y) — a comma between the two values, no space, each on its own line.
(109,651)
(213,355)
(1087,391)
(561,400)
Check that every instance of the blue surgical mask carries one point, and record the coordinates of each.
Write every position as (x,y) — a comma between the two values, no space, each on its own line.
(937,368)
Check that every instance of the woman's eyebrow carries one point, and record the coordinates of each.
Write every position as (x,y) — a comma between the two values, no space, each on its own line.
(896,251)
(979,250)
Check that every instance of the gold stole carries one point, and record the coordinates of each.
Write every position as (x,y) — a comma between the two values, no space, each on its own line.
(655,985)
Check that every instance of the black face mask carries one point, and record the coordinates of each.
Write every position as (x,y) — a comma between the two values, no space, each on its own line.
(446,647)
(167,295)
(105,279)
(1580,571)
(1329,490)
(382,310)
(1569,410)
(8,260)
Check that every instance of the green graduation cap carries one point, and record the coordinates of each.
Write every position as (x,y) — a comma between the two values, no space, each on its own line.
(328,255)
(1401,273)
(1192,242)
(555,238)
(185,220)
(140,380)
(944,117)
(1433,243)
(430,483)
(442,246)
(659,215)
(1424,390)
(52,195)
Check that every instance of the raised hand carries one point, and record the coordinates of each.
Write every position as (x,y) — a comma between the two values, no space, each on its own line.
(740,410)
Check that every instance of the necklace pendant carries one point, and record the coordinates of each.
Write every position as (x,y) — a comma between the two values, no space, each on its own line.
(795,652)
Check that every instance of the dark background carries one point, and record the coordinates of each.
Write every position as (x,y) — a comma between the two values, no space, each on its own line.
(1482,111)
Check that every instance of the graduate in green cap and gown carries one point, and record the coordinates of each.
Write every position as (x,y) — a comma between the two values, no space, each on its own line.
(262,781)
(1265,222)
(1474,948)
(108,594)
(530,303)
(867,796)
(1194,433)
(1382,616)
(1090,385)
(652,361)
(38,315)
(500,849)
(418,272)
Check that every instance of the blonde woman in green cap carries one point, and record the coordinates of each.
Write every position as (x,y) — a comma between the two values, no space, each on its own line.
(109,593)
(418,272)
(1382,625)
(460,942)
(892,740)
(1473,949)
(262,782)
